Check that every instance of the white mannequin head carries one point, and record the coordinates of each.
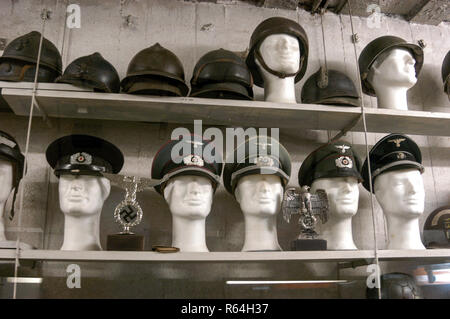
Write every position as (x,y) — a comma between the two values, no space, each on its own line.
(342,193)
(6,180)
(259,194)
(401,193)
(82,195)
(393,68)
(391,76)
(189,196)
(280,52)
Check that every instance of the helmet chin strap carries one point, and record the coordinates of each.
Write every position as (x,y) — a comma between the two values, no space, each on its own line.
(281,75)
(11,214)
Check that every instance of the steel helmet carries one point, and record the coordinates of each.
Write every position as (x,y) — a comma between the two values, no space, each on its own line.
(436,230)
(10,151)
(26,48)
(396,286)
(446,73)
(92,71)
(222,74)
(330,87)
(276,25)
(22,71)
(371,52)
(160,66)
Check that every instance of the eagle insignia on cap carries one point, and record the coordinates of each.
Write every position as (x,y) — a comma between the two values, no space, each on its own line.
(193,160)
(344,162)
(81,158)
(342,147)
(397,141)
(264,161)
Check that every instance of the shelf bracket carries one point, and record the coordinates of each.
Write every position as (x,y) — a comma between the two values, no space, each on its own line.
(345,130)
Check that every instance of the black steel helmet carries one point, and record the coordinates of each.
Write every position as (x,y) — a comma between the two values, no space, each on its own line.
(396,286)
(221,72)
(26,47)
(158,64)
(446,73)
(92,71)
(276,25)
(10,151)
(22,71)
(436,230)
(330,87)
(370,53)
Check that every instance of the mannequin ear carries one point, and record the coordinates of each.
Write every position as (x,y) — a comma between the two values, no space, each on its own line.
(106,187)
(237,193)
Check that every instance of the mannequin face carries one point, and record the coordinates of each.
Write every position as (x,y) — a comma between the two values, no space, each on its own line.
(82,195)
(281,52)
(189,196)
(401,193)
(397,69)
(6,180)
(259,194)
(342,193)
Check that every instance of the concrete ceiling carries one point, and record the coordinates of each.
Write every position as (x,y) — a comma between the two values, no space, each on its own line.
(430,12)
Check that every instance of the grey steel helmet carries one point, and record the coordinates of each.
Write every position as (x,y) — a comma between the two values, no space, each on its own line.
(92,71)
(330,87)
(276,25)
(26,48)
(222,74)
(380,45)
(155,69)
(446,73)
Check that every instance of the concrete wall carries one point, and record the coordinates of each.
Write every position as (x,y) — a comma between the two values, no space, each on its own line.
(190,30)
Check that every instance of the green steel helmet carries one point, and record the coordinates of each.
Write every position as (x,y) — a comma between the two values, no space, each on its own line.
(92,71)
(222,73)
(396,286)
(257,155)
(21,71)
(276,25)
(10,152)
(446,73)
(337,159)
(26,48)
(155,63)
(380,45)
(330,87)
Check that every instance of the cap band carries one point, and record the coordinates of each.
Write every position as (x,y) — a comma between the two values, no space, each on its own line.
(390,165)
(168,176)
(254,167)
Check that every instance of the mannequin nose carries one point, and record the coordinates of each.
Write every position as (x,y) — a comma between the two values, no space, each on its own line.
(284,43)
(411,188)
(194,188)
(264,187)
(76,185)
(346,188)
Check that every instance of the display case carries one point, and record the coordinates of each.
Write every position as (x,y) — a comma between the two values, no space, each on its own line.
(36,261)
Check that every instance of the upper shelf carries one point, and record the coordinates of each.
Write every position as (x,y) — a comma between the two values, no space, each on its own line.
(66,101)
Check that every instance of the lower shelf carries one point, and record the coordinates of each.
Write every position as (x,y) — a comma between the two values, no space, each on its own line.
(147,256)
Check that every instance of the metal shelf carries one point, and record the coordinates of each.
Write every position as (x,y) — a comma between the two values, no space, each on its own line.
(66,101)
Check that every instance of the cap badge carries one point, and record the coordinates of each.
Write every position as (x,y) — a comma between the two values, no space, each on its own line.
(343,148)
(397,141)
(264,161)
(7,142)
(344,162)
(401,155)
(193,160)
(81,158)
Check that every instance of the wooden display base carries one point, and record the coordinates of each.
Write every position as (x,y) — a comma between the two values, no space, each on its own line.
(309,244)
(125,242)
